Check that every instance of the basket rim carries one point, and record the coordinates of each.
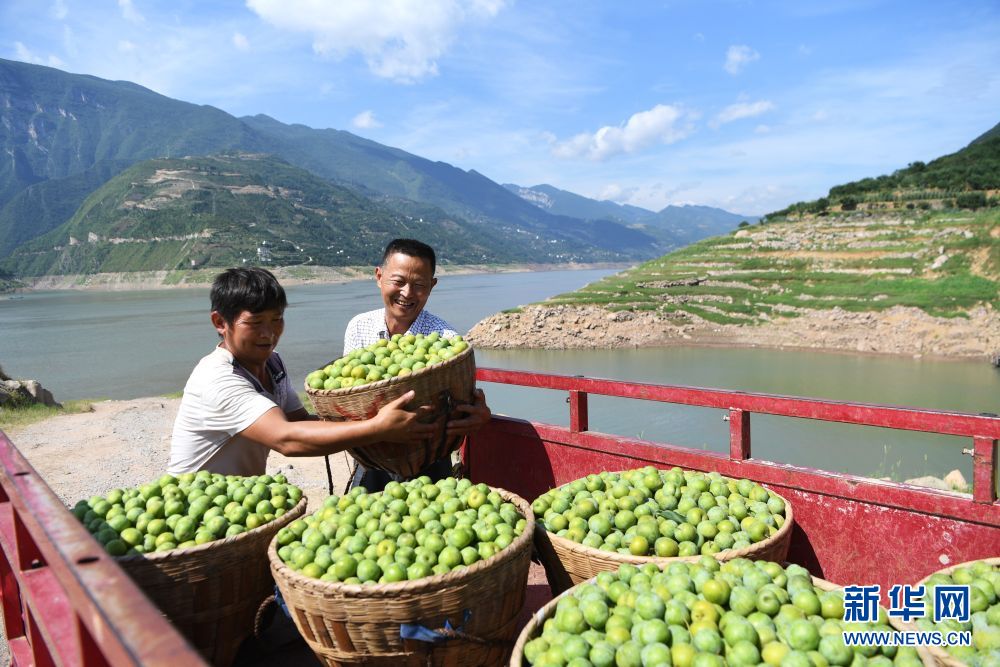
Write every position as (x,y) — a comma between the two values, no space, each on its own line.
(461,356)
(942,656)
(545,611)
(725,554)
(290,515)
(416,586)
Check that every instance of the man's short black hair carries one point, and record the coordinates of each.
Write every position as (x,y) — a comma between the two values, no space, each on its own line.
(413,248)
(253,289)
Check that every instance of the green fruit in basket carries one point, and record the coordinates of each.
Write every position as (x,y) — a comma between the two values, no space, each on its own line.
(630,616)
(174,511)
(383,360)
(410,530)
(666,513)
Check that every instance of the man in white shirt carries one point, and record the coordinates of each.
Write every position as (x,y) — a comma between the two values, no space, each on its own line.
(238,404)
(405,279)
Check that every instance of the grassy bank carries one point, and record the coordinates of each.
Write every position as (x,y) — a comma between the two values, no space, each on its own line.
(18,417)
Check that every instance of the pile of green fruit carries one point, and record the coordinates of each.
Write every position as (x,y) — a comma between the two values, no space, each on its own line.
(983,580)
(182,511)
(664,513)
(398,356)
(705,614)
(410,530)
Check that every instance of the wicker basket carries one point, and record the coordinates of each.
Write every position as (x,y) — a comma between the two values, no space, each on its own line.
(534,626)
(567,563)
(441,385)
(212,591)
(354,624)
(935,655)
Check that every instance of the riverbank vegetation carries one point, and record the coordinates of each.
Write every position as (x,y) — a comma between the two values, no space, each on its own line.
(18,416)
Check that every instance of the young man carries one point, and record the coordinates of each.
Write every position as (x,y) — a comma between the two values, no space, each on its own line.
(238,404)
(405,279)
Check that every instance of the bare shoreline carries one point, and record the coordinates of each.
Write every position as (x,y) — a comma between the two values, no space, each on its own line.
(896,331)
(287,275)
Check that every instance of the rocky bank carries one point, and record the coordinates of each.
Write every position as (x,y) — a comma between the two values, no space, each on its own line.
(897,330)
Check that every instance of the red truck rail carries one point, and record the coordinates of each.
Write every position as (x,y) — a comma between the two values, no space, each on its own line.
(65,601)
(849,529)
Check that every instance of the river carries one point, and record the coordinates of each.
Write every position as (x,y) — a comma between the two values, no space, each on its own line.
(130,344)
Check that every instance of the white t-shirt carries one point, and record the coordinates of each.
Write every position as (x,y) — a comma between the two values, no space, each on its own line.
(220,401)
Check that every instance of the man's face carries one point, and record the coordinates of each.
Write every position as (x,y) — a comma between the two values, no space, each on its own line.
(251,337)
(406,283)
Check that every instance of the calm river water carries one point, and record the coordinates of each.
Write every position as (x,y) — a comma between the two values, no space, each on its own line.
(131,344)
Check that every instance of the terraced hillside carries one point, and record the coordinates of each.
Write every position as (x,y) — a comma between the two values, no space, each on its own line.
(215,211)
(853,280)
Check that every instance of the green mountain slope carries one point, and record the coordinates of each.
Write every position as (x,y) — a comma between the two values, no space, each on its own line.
(56,125)
(172,214)
(968,178)
(352,160)
(44,206)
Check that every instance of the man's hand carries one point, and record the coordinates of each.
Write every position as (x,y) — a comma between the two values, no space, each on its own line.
(394,423)
(477,415)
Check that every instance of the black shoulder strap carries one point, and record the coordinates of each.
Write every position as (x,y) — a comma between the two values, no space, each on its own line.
(275,366)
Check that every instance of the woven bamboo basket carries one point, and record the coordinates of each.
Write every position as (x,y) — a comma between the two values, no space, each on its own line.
(212,591)
(567,563)
(441,385)
(354,624)
(534,626)
(936,656)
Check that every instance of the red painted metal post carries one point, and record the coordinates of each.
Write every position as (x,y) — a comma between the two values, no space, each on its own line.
(579,419)
(739,434)
(65,601)
(984,470)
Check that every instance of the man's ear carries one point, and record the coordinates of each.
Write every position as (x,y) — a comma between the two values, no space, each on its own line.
(378,274)
(219,322)
(434,282)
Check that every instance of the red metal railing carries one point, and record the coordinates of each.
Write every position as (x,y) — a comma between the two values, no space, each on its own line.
(64,600)
(848,529)
(982,429)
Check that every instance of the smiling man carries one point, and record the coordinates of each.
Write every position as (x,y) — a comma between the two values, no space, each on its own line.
(405,279)
(238,404)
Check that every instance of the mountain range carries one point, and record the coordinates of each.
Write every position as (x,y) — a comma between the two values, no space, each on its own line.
(673,225)
(70,139)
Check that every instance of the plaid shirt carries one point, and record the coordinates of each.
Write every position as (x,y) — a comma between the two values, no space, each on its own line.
(366,328)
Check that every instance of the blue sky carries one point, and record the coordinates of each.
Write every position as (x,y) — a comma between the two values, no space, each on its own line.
(744,105)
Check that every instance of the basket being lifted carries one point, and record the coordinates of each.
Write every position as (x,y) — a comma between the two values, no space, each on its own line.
(442,373)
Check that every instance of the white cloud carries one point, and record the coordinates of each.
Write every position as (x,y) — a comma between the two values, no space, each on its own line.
(739,56)
(126,46)
(241,42)
(399,40)
(130,13)
(762,129)
(616,193)
(58,11)
(741,110)
(24,54)
(661,124)
(365,120)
